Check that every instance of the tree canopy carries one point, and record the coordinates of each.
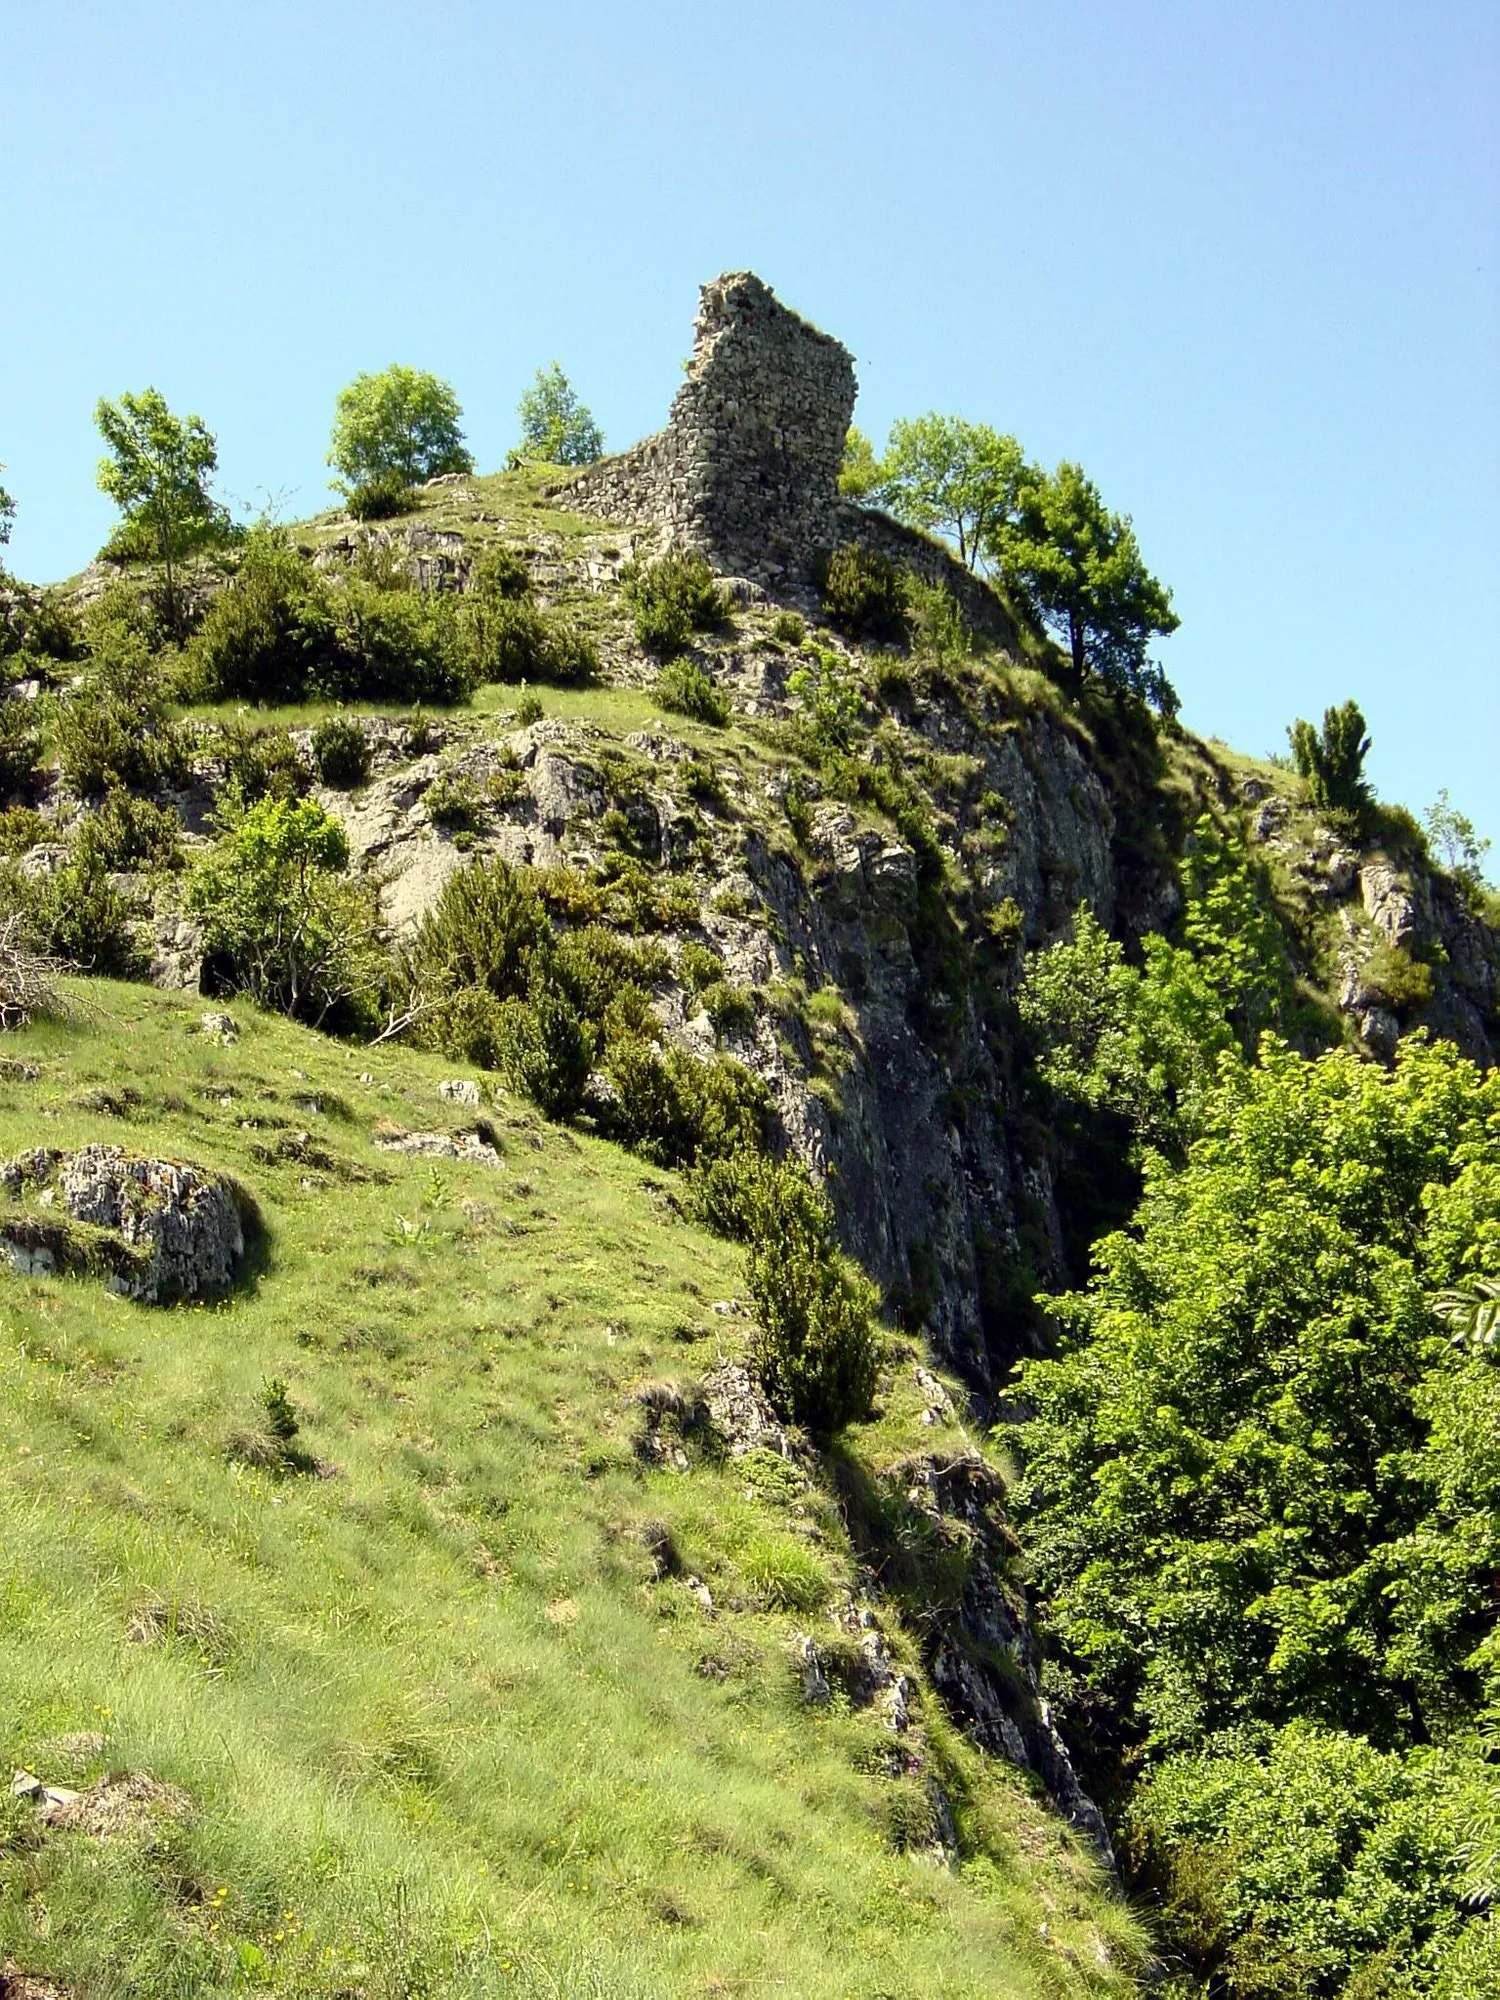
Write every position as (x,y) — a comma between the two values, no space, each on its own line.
(1332,760)
(1079,568)
(554,424)
(402,424)
(7,514)
(157,472)
(952,477)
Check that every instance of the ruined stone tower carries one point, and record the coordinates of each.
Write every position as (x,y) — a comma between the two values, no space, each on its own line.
(747,467)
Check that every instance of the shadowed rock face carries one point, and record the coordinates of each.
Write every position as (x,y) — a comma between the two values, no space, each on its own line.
(747,467)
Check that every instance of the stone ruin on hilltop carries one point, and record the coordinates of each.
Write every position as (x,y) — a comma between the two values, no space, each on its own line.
(747,468)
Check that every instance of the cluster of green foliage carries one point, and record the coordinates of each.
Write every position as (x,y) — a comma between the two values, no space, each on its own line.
(341,752)
(157,472)
(112,726)
(1452,835)
(684,688)
(865,594)
(511,638)
(282,920)
(815,1346)
(391,431)
(672,598)
(381,499)
(486,977)
(1331,761)
(1260,1492)
(283,630)
(1071,562)
(555,426)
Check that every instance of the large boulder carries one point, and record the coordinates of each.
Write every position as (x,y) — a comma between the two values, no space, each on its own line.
(178,1230)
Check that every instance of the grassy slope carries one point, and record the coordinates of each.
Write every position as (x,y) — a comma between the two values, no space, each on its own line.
(442,1730)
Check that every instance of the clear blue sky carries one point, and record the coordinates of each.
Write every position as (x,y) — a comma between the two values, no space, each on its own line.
(1241,261)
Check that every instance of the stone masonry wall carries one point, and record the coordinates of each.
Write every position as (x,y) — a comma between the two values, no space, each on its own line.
(747,467)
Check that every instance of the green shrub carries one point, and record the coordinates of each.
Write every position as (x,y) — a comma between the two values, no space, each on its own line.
(513,641)
(483,930)
(528,709)
(814,1341)
(683,688)
(789,627)
(498,575)
(397,645)
(341,753)
(22,828)
(939,630)
(261,762)
(20,746)
(127,832)
(453,800)
(76,915)
(270,634)
(545,1048)
(281,921)
(728,1007)
(1402,981)
(865,594)
(381,498)
(1331,761)
(672,599)
(676,1110)
(283,631)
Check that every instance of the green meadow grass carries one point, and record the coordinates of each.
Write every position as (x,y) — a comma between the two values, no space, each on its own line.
(442,1728)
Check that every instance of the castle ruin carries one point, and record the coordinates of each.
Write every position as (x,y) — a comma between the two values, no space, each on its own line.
(747,468)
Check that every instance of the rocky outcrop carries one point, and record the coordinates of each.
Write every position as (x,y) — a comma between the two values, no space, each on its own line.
(166,1230)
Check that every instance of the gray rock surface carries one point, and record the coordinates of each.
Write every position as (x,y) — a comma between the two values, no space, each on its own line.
(187,1221)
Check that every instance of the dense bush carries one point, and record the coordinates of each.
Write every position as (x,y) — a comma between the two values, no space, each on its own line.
(21,828)
(112,727)
(1262,1490)
(1331,760)
(75,915)
(865,594)
(261,762)
(672,599)
(485,977)
(341,753)
(381,498)
(814,1342)
(281,920)
(683,688)
(127,832)
(20,747)
(283,631)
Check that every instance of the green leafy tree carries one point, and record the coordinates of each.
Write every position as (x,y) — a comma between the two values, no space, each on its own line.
(1332,760)
(280,918)
(1262,1500)
(952,477)
(1079,568)
(554,425)
(400,425)
(7,514)
(157,474)
(1462,849)
(859,474)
